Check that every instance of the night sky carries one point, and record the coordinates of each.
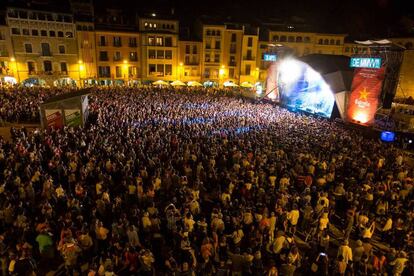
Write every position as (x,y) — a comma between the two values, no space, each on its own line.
(369,18)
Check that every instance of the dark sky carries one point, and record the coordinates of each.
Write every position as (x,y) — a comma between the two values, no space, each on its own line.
(371,17)
(356,17)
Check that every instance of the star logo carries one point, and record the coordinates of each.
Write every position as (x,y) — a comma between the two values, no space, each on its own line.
(363,94)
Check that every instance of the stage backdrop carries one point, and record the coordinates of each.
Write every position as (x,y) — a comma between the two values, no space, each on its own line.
(365,94)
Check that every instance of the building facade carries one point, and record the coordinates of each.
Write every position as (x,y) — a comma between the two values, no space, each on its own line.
(189,60)
(44,45)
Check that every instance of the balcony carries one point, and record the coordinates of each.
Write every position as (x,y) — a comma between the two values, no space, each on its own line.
(117,44)
(103,58)
(193,63)
(249,58)
(232,63)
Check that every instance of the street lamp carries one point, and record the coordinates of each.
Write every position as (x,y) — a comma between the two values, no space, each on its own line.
(221,73)
(126,73)
(180,75)
(81,68)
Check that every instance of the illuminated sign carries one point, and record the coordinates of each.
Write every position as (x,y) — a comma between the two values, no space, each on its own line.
(269,57)
(372,63)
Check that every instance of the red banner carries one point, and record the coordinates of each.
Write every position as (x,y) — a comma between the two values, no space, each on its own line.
(54,118)
(364,99)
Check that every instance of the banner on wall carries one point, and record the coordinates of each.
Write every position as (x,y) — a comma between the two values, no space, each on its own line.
(54,118)
(365,95)
(73,117)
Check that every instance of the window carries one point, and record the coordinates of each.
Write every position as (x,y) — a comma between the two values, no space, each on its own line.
(45,49)
(250,42)
(248,69)
(151,54)
(151,40)
(117,41)
(104,71)
(168,69)
(2,36)
(320,41)
(187,60)
(132,42)
(160,54)
(346,49)
(207,58)
(232,48)
(160,69)
(307,39)
(102,40)
(218,33)
(207,72)
(60,34)
(217,46)
(26,32)
(187,49)
(208,32)
(231,72)
(43,33)
(16,31)
(158,41)
(35,32)
(168,54)
(291,39)
(216,57)
(152,69)
(103,56)
(283,38)
(117,56)
(194,49)
(47,65)
(62,49)
(31,67)
(299,39)
(168,41)
(275,38)
(133,56)
(132,71)
(233,37)
(63,67)
(232,61)
(28,48)
(249,55)
(326,42)
(338,42)
(68,34)
(208,45)
(52,33)
(118,71)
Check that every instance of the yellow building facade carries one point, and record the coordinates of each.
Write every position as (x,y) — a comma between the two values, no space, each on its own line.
(117,56)
(7,62)
(85,34)
(44,45)
(159,49)
(189,60)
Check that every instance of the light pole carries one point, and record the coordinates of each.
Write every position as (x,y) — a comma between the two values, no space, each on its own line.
(221,74)
(17,68)
(81,68)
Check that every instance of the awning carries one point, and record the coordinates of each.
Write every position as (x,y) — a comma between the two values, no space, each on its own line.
(64,82)
(8,80)
(33,82)
(160,82)
(194,83)
(178,83)
(229,84)
(246,84)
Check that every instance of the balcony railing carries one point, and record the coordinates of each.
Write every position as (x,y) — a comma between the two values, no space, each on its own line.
(193,63)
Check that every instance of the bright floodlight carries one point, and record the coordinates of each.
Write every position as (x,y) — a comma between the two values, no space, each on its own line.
(290,70)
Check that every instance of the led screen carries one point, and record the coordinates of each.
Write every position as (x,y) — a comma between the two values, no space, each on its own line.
(303,89)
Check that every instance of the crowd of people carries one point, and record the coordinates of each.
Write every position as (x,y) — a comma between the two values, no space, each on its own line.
(166,182)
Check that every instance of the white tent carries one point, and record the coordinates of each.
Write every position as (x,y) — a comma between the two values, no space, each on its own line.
(246,84)
(178,83)
(230,84)
(194,83)
(160,82)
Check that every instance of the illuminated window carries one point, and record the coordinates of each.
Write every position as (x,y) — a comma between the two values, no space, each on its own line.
(158,41)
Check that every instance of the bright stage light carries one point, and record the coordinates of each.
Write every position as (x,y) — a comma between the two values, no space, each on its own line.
(361,117)
(290,70)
